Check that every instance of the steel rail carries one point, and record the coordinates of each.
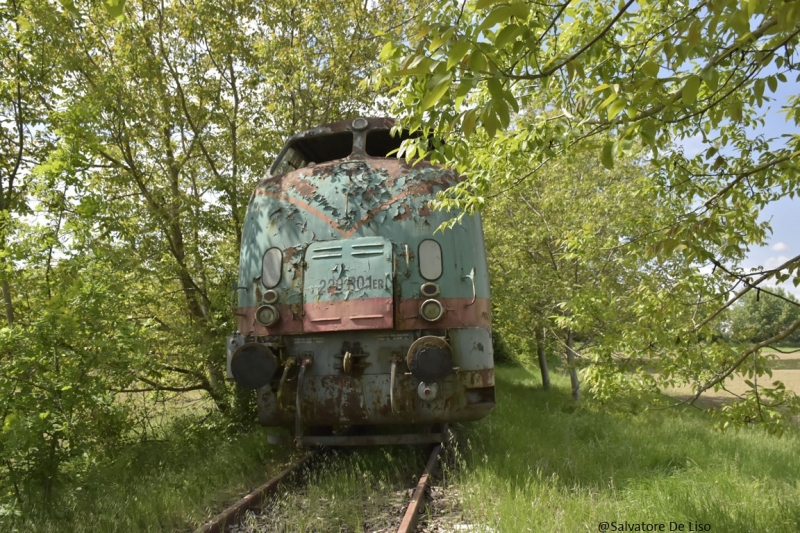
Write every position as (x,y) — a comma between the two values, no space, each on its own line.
(234,513)
(415,507)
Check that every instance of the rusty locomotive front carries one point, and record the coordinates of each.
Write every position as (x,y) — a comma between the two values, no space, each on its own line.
(351,310)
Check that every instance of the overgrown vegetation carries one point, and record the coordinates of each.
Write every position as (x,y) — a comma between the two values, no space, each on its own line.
(132,133)
(543,463)
(173,483)
(525,94)
(131,136)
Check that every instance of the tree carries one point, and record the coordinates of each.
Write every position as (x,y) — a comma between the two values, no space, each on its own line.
(558,257)
(169,117)
(512,85)
(134,133)
(757,317)
(26,65)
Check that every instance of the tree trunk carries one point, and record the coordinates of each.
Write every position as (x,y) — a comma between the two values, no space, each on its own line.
(9,305)
(542,358)
(573,372)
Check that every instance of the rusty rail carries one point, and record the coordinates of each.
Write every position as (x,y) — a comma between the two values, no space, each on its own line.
(233,514)
(411,516)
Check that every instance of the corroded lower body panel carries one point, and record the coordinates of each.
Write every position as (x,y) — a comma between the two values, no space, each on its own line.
(330,396)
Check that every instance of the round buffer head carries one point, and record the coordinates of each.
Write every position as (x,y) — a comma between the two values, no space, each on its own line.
(253,365)
(430,359)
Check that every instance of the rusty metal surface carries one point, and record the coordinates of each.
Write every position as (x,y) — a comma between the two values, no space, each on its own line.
(331,293)
(373,440)
(373,198)
(416,506)
(341,399)
(231,515)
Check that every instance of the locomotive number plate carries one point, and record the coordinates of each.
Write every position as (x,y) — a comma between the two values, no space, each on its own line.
(351,283)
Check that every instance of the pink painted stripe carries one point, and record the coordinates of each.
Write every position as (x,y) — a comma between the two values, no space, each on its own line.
(458,313)
(345,315)
(291,323)
(367,313)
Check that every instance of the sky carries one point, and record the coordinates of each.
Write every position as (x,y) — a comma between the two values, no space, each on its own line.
(783,215)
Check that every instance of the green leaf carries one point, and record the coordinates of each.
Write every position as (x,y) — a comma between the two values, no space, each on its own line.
(440,39)
(468,122)
(387,51)
(611,98)
(115,8)
(651,69)
(69,5)
(501,14)
(24,24)
(436,93)
(758,88)
(507,34)
(457,52)
(648,132)
(477,61)
(616,107)
(772,81)
(501,108)
(607,155)
(690,89)
(481,4)
(489,120)
(8,423)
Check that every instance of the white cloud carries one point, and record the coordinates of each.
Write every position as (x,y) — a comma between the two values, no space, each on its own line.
(775,262)
(780,247)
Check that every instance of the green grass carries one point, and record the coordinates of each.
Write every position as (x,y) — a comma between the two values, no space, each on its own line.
(540,463)
(352,490)
(161,486)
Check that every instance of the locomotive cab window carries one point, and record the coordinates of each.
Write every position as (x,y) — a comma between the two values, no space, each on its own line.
(430,259)
(271,267)
(380,142)
(316,149)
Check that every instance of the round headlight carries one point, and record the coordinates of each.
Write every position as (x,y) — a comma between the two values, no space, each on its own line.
(270,297)
(431,310)
(267,315)
(429,290)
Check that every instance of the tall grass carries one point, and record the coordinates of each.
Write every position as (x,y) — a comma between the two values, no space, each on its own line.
(540,463)
(159,486)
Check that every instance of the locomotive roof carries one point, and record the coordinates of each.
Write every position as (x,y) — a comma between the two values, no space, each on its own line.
(356,138)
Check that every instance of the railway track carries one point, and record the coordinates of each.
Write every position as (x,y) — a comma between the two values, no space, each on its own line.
(294,473)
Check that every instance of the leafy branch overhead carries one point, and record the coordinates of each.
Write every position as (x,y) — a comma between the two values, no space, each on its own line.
(515,87)
(650,72)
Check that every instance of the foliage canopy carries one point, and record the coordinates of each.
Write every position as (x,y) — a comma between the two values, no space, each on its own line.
(511,86)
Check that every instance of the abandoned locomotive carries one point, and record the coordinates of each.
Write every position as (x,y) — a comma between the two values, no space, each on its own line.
(351,310)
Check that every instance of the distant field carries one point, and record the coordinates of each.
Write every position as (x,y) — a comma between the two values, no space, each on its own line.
(785,368)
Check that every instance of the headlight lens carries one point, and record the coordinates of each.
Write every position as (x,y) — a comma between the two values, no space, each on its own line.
(267,315)
(431,310)
(270,297)
(429,290)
